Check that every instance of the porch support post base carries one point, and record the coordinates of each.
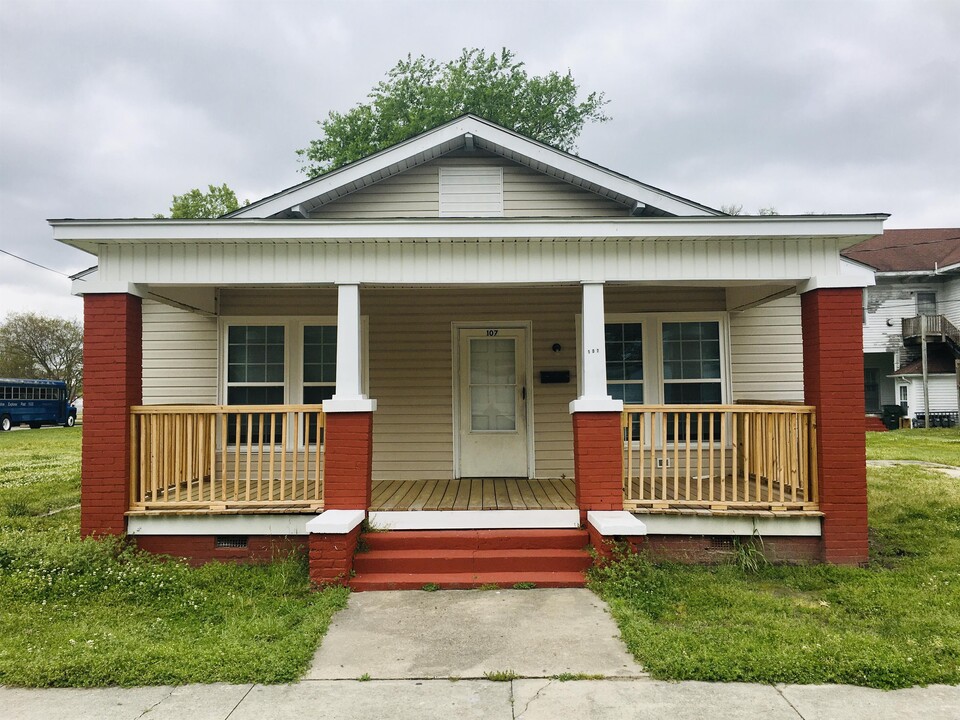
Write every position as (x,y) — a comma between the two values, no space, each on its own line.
(598,461)
(331,557)
(833,382)
(112,379)
(348,461)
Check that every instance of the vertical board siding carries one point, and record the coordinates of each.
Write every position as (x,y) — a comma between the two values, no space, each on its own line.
(416,193)
(942,390)
(179,356)
(766,351)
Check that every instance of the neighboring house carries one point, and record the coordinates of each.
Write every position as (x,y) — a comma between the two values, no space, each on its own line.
(474,335)
(918,276)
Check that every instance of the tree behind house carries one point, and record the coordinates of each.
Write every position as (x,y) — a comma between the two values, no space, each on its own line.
(43,347)
(217,201)
(421,93)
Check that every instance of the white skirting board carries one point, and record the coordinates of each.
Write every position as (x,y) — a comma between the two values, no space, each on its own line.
(474,519)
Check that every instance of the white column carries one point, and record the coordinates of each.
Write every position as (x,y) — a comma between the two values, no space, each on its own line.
(349,396)
(593,356)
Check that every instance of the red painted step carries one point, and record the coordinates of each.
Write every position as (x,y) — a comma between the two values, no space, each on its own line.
(476,539)
(464,581)
(410,559)
(466,561)
(875,424)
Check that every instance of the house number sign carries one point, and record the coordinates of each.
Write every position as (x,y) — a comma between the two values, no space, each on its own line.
(492,333)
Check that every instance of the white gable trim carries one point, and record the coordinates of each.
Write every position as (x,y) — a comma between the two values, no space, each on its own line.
(441,140)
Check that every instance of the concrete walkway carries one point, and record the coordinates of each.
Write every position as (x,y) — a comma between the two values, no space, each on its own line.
(427,654)
(950,470)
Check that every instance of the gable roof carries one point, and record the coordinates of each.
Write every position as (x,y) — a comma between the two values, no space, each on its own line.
(464,132)
(921,250)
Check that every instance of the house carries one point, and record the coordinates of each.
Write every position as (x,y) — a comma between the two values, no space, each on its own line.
(496,350)
(918,281)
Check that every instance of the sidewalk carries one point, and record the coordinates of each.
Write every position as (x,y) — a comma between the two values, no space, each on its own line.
(528,699)
(427,655)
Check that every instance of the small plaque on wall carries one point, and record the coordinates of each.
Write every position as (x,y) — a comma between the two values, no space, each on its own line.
(554,377)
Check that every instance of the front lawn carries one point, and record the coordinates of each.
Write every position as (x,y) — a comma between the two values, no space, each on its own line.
(894,624)
(86,613)
(937,445)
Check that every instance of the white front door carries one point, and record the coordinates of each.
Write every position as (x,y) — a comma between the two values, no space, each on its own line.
(492,402)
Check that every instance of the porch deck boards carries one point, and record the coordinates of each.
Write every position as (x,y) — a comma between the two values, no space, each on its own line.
(291,495)
(473,494)
(715,493)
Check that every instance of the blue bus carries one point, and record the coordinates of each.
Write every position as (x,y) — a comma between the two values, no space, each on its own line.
(35,403)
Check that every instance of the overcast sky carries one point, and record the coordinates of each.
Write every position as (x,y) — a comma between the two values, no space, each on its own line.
(108,108)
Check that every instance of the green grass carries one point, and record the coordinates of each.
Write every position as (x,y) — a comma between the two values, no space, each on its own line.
(88,613)
(893,624)
(39,470)
(938,445)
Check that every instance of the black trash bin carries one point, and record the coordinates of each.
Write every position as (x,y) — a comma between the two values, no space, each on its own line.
(892,415)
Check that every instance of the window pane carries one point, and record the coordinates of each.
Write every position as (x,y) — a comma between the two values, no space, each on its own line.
(706,393)
(691,350)
(320,353)
(624,350)
(255,354)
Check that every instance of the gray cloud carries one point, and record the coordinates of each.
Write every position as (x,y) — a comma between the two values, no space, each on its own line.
(107,108)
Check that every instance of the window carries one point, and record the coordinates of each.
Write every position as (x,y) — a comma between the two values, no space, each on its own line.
(691,363)
(319,363)
(871,389)
(685,362)
(926,303)
(256,364)
(903,398)
(624,349)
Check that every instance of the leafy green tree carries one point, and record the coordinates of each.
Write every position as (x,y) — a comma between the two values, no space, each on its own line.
(215,202)
(40,346)
(421,93)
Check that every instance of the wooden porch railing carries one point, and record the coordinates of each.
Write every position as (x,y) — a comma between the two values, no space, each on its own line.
(720,457)
(221,458)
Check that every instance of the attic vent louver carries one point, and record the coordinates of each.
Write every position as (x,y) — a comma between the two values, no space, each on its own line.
(471,191)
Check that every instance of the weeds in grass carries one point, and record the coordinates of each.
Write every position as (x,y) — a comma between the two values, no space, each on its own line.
(501,675)
(567,677)
(748,554)
(15,508)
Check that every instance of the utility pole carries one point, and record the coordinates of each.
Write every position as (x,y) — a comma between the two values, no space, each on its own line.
(926,379)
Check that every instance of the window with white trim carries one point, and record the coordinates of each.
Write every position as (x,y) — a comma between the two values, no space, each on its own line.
(256,360)
(666,359)
(277,362)
(691,363)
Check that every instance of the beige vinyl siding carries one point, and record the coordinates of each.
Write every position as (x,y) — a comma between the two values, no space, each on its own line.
(416,193)
(766,351)
(179,356)
(411,373)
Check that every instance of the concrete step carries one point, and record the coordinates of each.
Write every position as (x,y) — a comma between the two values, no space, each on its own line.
(445,560)
(476,539)
(464,581)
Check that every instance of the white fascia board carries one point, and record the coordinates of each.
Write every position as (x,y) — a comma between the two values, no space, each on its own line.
(428,141)
(732,525)
(106,287)
(852,275)
(266,524)
(335,522)
(616,523)
(87,234)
